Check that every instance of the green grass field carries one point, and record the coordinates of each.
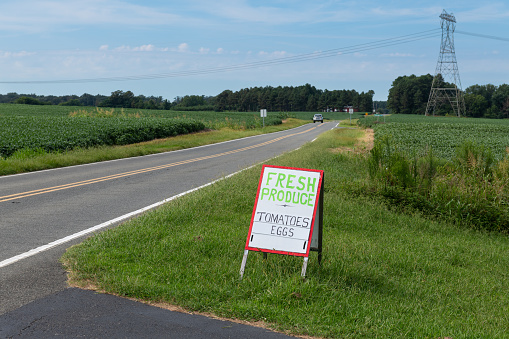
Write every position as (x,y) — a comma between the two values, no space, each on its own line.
(386,272)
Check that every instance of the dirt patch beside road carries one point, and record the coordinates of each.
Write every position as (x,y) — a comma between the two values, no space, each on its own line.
(362,146)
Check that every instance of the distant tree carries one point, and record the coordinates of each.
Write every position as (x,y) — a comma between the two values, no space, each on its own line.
(119,99)
(485,91)
(324,100)
(312,103)
(222,101)
(409,94)
(72,102)
(166,104)
(487,101)
(30,101)
(88,100)
(500,99)
(9,97)
(476,105)
(192,100)
(366,101)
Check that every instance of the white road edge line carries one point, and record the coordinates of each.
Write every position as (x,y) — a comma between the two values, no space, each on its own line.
(71,237)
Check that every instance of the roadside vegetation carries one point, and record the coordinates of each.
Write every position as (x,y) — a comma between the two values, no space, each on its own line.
(391,268)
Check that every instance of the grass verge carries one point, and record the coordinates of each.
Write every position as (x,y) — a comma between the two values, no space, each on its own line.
(384,274)
(35,160)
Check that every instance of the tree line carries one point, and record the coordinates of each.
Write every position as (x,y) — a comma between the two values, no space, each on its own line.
(116,99)
(409,95)
(68,100)
(304,98)
(288,99)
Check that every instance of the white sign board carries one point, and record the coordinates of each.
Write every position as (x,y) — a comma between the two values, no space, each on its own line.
(263,113)
(285,210)
(350,110)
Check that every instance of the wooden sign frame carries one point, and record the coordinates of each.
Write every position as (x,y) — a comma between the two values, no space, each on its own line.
(287,216)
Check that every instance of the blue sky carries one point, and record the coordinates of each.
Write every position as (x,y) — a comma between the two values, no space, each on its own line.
(204,47)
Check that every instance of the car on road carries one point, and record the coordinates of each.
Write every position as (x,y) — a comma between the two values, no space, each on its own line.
(318,117)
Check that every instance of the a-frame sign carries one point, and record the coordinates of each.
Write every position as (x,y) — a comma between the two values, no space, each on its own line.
(288,213)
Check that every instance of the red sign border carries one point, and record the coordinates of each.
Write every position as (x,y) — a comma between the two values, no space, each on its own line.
(247,247)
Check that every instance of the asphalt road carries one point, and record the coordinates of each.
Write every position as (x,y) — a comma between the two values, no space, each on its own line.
(43,213)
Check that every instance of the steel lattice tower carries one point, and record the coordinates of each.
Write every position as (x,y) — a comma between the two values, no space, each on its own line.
(446,85)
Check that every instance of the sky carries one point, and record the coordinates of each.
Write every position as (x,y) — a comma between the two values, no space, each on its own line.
(197,47)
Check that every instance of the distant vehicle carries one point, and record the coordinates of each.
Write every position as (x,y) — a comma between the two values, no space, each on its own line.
(317,117)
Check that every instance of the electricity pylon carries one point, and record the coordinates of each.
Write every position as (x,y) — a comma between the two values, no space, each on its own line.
(446,85)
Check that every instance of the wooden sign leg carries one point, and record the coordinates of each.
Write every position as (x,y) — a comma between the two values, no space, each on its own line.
(243,266)
(304,267)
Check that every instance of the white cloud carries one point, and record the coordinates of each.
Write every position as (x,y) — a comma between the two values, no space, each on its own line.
(145,48)
(126,48)
(15,54)
(275,54)
(183,47)
(279,54)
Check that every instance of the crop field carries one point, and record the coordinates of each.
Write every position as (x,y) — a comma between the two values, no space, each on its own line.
(205,116)
(60,134)
(415,134)
(60,128)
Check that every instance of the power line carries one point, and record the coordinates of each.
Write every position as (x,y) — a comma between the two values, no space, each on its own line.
(484,36)
(279,61)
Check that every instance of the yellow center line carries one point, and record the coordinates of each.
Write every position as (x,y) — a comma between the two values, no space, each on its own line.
(140,171)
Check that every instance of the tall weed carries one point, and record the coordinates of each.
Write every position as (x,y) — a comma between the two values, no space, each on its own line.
(104,113)
(471,189)
(394,167)
(474,159)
